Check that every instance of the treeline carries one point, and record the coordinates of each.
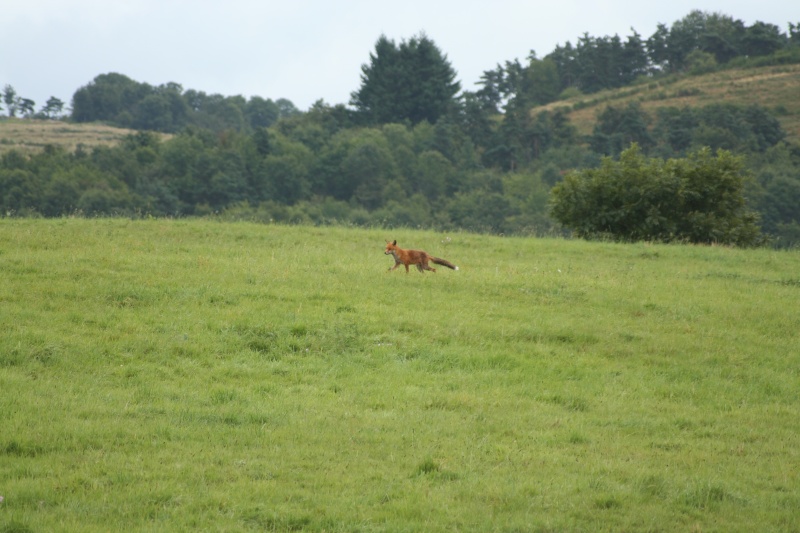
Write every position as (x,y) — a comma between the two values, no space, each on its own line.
(431,157)
(16,104)
(309,168)
(118,100)
(698,43)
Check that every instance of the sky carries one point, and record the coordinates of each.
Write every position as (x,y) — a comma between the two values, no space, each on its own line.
(304,50)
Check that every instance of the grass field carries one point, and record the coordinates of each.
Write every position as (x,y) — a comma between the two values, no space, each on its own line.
(164,375)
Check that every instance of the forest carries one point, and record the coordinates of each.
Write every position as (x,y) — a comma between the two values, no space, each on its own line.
(413,148)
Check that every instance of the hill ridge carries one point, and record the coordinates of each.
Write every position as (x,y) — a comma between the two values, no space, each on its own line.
(728,86)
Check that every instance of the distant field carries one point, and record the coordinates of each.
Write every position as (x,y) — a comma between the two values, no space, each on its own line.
(776,88)
(173,375)
(33,135)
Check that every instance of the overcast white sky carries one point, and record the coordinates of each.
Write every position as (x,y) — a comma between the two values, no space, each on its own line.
(303,50)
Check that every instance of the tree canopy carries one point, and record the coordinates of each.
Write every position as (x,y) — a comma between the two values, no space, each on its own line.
(697,42)
(117,99)
(412,81)
(698,199)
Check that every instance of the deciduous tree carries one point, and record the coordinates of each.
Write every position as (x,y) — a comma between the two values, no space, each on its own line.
(698,199)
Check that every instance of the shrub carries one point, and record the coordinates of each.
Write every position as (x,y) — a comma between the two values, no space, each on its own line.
(697,199)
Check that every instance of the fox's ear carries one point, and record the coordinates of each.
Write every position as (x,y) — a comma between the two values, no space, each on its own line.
(394,243)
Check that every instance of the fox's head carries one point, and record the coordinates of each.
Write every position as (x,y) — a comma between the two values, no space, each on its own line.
(390,246)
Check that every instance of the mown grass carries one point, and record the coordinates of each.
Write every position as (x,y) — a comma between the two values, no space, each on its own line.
(196,375)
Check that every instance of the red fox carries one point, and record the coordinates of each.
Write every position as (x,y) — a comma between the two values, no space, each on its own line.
(414,257)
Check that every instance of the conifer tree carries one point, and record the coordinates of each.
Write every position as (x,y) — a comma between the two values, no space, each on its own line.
(411,82)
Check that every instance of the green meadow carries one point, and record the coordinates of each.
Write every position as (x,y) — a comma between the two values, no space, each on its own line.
(198,375)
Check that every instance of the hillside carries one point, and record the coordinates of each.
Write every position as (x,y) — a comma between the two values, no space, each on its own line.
(29,135)
(774,87)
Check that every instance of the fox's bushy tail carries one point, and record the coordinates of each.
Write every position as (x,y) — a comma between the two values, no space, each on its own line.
(443,262)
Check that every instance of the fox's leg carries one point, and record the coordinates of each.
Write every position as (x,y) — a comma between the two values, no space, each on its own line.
(396,264)
(424,266)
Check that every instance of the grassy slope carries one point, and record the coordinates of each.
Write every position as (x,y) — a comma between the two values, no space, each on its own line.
(775,88)
(29,135)
(184,375)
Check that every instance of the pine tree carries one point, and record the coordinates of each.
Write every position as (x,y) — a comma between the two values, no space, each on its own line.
(411,82)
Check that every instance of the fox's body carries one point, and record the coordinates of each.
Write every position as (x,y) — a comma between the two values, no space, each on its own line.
(414,257)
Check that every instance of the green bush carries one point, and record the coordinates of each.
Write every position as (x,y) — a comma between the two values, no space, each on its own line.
(696,199)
